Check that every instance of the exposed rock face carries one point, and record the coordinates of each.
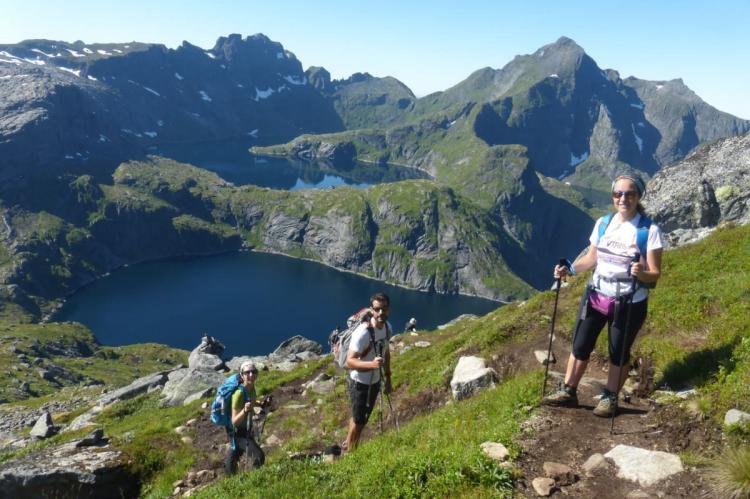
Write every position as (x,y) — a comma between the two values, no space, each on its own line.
(69,471)
(710,187)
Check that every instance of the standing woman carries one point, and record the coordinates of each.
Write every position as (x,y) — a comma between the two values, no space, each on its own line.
(241,438)
(615,242)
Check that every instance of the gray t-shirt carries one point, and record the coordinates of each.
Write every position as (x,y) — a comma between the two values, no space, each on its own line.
(359,342)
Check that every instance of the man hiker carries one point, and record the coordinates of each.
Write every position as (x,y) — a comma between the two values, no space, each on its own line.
(367,358)
(240,435)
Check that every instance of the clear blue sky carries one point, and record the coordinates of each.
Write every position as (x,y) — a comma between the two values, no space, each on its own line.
(431,45)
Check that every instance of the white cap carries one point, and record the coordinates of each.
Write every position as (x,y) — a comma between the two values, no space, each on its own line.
(248,365)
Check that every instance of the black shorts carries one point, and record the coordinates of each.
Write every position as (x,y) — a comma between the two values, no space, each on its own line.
(363,399)
(588,329)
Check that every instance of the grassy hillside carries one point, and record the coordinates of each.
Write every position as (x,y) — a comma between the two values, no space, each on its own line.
(696,336)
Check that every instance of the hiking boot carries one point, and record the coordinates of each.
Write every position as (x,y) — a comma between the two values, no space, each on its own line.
(564,396)
(607,404)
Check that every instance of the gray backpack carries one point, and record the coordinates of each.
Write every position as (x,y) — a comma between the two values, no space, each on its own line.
(339,340)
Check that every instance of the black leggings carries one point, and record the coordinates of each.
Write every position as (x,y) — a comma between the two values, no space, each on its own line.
(256,454)
(588,329)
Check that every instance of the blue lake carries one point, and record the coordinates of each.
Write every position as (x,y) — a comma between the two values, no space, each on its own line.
(250,301)
(232,161)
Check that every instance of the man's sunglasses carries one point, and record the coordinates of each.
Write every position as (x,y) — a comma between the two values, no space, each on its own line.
(252,371)
(627,194)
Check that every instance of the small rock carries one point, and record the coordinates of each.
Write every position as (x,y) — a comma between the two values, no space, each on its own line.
(204,405)
(495,450)
(543,486)
(191,422)
(594,463)
(295,407)
(176,491)
(560,473)
(413,334)
(273,441)
(180,430)
(422,344)
(734,416)
(43,428)
(541,357)
(95,437)
(187,440)
(205,475)
(684,394)
(637,494)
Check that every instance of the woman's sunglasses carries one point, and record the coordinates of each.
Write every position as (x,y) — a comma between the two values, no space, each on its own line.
(627,194)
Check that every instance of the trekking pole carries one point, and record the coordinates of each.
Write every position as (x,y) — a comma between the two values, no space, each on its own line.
(393,413)
(563,263)
(247,439)
(379,353)
(380,417)
(636,258)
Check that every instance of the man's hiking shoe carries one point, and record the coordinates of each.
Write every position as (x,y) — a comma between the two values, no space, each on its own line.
(564,396)
(607,405)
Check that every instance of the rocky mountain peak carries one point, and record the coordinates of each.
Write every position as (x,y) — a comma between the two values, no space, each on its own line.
(319,78)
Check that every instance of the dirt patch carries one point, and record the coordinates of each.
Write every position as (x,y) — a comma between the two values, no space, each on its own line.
(571,435)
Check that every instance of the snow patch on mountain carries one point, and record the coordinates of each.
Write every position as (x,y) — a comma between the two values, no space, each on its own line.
(75,53)
(263,94)
(638,140)
(76,72)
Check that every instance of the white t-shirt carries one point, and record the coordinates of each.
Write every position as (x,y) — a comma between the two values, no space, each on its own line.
(615,251)
(359,342)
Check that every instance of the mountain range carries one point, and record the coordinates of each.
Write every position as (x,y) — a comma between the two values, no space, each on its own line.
(520,157)
(90,103)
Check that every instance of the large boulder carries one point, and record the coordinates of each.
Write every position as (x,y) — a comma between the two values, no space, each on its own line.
(137,387)
(470,376)
(261,362)
(206,361)
(297,345)
(140,386)
(189,382)
(207,355)
(70,471)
